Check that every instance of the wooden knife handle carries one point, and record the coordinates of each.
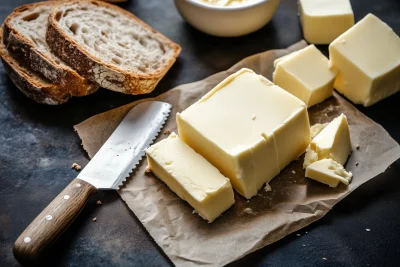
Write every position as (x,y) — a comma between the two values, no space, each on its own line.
(52,221)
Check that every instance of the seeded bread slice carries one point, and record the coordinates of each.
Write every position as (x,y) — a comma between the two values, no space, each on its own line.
(25,37)
(110,46)
(30,83)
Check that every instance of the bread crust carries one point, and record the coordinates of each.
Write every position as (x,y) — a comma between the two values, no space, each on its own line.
(30,83)
(89,66)
(40,93)
(25,51)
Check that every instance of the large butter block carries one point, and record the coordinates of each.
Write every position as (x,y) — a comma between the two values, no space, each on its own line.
(332,142)
(248,128)
(305,74)
(324,20)
(368,61)
(328,171)
(191,177)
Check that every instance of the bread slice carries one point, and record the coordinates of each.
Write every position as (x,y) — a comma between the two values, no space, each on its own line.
(30,83)
(110,46)
(25,37)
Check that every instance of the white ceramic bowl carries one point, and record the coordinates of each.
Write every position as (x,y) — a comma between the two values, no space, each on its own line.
(227,21)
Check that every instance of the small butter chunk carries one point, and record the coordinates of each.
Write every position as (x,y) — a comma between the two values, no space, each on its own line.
(317,128)
(267,187)
(249,152)
(76,166)
(306,75)
(191,177)
(332,142)
(328,171)
(367,58)
(324,20)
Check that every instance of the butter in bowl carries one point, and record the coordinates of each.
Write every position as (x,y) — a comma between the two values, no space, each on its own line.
(227,18)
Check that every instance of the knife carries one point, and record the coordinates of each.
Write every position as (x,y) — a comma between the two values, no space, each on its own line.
(108,169)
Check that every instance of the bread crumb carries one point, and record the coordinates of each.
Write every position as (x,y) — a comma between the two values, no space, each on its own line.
(147,170)
(99,202)
(76,166)
(325,259)
(294,172)
(356,163)
(357,146)
(167,132)
(298,234)
(249,211)
(267,187)
(94,219)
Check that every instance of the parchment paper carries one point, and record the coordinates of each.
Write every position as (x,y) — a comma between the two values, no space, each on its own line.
(293,203)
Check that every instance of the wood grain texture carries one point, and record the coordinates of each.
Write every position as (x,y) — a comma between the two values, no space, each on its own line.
(52,221)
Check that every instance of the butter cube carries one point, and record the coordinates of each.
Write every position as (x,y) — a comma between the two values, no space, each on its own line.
(306,75)
(324,20)
(247,127)
(191,177)
(368,61)
(332,142)
(328,171)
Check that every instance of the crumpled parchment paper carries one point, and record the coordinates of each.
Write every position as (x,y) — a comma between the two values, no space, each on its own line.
(293,203)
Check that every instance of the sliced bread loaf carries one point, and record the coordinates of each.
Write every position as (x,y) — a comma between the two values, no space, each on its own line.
(110,46)
(25,37)
(30,83)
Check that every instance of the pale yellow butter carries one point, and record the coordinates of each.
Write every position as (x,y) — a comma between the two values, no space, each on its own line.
(324,20)
(227,2)
(368,61)
(332,142)
(317,128)
(329,172)
(248,128)
(305,74)
(191,177)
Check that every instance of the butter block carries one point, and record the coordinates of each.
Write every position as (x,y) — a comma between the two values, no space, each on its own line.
(332,142)
(324,20)
(368,61)
(305,74)
(191,177)
(328,171)
(247,127)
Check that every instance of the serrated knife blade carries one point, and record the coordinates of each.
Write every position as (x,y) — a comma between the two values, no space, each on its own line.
(124,149)
(108,169)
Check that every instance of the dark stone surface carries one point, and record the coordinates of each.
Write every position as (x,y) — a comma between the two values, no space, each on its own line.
(38,146)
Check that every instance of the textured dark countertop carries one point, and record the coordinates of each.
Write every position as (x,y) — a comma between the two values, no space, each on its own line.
(38,146)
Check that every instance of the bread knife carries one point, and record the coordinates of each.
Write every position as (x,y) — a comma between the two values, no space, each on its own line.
(108,169)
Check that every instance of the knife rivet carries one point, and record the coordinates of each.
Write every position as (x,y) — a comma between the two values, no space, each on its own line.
(78,185)
(27,239)
(48,217)
(66,197)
